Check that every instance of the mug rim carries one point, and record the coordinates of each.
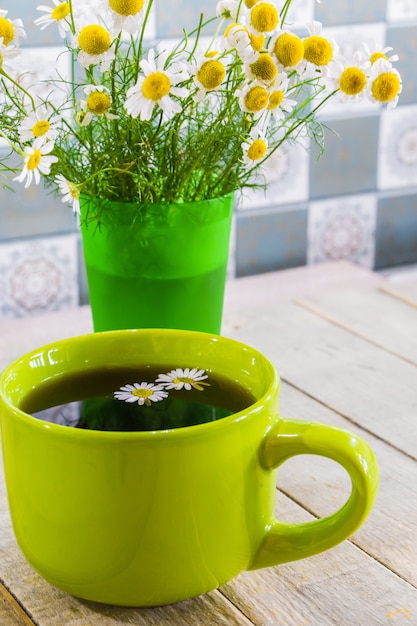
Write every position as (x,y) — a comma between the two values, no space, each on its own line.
(171,433)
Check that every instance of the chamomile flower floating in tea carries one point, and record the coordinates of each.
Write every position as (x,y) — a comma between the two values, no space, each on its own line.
(142,393)
(184,379)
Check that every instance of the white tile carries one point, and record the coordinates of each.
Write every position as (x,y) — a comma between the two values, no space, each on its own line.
(401,10)
(38,276)
(397,155)
(301,12)
(287,175)
(342,228)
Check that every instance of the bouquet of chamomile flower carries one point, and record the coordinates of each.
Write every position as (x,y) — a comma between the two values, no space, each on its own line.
(152,123)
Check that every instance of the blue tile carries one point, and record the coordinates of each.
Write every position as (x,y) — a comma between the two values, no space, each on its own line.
(404,41)
(349,163)
(33,211)
(173,17)
(396,231)
(350,11)
(268,241)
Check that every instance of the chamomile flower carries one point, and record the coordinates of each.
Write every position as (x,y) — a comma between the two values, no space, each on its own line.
(142,393)
(155,87)
(254,148)
(10,30)
(126,15)
(98,102)
(374,53)
(264,17)
(38,125)
(279,104)
(287,49)
(247,45)
(59,14)
(253,98)
(94,42)
(7,53)
(263,69)
(350,78)
(384,84)
(183,379)
(70,192)
(36,162)
(209,72)
(227,9)
(318,50)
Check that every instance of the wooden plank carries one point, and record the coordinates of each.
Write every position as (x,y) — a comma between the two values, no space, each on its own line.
(366,384)
(23,335)
(342,586)
(11,613)
(372,314)
(405,290)
(297,282)
(323,486)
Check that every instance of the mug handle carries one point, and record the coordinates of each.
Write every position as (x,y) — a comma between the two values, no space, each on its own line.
(289,437)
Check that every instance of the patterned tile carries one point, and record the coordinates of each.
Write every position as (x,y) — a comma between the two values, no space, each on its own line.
(396,232)
(397,163)
(342,228)
(288,180)
(268,241)
(351,11)
(38,276)
(349,162)
(404,41)
(401,10)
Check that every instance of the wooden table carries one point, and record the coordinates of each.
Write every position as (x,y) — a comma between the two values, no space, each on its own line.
(345,342)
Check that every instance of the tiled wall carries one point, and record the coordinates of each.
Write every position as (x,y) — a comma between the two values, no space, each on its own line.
(357,202)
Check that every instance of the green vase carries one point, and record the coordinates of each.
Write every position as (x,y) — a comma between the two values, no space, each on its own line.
(156,265)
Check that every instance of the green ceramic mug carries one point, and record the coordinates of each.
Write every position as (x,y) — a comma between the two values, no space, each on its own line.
(149,518)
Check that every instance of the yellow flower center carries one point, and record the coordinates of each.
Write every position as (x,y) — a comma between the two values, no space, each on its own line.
(142,393)
(257,150)
(74,191)
(61,11)
(126,7)
(250,3)
(352,81)
(275,99)
(264,17)
(289,49)
(256,99)
(264,68)
(94,39)
(257,41)
(34,160)
(318,50)
(156,86)
(229,28)
(6,30)
(377,55)
(41,128)
(98,102)
(386,87)
(211,74)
